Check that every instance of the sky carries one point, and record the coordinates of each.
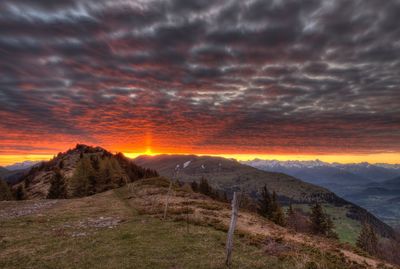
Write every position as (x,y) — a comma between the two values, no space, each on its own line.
(276,79)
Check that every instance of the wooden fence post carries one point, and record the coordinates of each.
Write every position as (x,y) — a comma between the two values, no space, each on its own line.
(167,200)
(229,241)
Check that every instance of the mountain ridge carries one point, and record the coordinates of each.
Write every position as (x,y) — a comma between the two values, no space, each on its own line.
(231,175)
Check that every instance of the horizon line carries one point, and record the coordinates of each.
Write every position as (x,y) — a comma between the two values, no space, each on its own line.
(378,158)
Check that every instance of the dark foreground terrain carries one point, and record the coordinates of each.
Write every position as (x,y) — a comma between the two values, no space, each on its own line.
(123,228)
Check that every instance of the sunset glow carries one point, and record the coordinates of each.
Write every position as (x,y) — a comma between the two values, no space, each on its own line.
(279,81)
(390,158)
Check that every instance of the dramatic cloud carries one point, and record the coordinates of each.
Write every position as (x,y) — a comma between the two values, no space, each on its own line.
(282,76)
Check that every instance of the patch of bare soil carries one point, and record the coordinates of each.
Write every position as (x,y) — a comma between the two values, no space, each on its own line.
(26,209)
(87,226)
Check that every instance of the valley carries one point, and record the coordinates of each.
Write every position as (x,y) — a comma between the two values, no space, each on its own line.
(373,187)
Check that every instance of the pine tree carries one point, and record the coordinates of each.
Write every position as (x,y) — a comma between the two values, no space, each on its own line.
(265,203)
(330,228)
(108,177)
(57,189)
(277,214)
(19,193)
(317,219)
(204,187)
(290,211)
(291,217)
(118,177)
(195,186)
(367,239)
(5,192)
(321,222)
(80,182)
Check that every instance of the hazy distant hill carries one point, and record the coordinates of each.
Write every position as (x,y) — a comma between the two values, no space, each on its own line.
(21,165)
(371,186)
(12,177)
(381,198)
(231,175)
(392,183)
(371,171)
(321,172)
(3,171)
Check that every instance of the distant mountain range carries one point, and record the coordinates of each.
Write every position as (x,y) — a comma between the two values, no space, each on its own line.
(318,170)
(12,173)
(375,187)
(21,165)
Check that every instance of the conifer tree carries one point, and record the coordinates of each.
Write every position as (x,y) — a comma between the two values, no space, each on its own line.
(321,222)
(117,176)
(5,192)
(318,221)
(19,193)
(265,203)
(277,214)
(57,187)
(108,175)
(290,211)
(291,217)
(195,186)
(367,239)
(204,187)
(274,202)
(80,181)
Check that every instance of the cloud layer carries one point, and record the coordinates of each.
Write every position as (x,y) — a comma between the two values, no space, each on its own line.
(280,76)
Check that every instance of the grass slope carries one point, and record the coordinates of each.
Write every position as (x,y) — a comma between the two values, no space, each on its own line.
(347,229)
(230,175)
(122,229)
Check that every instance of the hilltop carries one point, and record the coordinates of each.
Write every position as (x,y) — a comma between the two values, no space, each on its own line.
(81,171)
(123,228)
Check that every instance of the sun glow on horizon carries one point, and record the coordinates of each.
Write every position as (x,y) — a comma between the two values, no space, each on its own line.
(390,158)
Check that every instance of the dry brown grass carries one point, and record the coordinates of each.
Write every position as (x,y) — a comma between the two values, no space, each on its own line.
(201,210)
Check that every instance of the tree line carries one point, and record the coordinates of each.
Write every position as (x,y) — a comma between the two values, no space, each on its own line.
(93,173)
(318,222)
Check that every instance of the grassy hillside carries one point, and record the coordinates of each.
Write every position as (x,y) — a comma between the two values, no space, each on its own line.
(231,175)
(122,228)
(347,229)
